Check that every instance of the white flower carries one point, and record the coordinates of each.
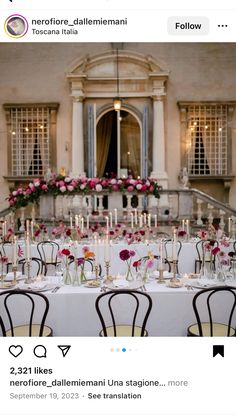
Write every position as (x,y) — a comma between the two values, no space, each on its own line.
(113,181)
(37,183)
(31,185)
(67,179)
(98,187)
(132,181)
(139,186)
(62,189)
(14,193)
(70,188)
(82,186)
(148,183)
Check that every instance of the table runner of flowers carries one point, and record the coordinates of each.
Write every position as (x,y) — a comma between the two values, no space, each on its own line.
(66,185)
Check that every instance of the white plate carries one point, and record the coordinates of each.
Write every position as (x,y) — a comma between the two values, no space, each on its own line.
(90,284)
(201,286)
(166,274)
(123,284)
(36,287)
(174,284)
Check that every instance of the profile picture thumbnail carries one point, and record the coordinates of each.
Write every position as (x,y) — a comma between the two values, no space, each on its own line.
(16,26)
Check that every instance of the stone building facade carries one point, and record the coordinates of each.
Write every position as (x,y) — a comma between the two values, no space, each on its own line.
(177,110)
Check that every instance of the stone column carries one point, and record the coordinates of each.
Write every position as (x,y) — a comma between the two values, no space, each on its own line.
(77,137)
(158,147)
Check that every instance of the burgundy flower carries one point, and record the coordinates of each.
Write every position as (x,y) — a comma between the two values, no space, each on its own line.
(215,250)
(181,233)
(124,254)
(68,232)
(231,254)
(132,253)
(80,261)
(211,242)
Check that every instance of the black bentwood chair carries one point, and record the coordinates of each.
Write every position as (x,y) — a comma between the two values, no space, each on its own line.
(48,252)
(35,307)
(37,266)
(168,246)
(205,305)
(113,304)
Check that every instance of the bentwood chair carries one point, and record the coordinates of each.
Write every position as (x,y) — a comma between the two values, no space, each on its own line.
(37,266)
(205,305)
(168,246)
(32,305)
(48,252)
(202,254)
(111,307)
(6,250)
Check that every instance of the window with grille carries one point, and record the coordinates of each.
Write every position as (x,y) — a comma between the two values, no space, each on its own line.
(30,134)
(206,139)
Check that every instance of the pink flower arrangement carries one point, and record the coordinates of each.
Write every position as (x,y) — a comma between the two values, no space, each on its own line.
(66,185)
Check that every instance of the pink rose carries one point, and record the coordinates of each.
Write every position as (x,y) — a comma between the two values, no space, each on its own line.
(98,187)
(115,187)
(62,189)
(70,188)
(44,187)
(130,188)
(61,183)
(15,193)
(82,187)
(36,182)
(113,181)
(144,187)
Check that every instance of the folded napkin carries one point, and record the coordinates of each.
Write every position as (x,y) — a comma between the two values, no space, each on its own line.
(205,282)
(166,274)
(10,276)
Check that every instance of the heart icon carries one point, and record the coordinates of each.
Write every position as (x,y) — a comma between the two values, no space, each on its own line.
(15,350)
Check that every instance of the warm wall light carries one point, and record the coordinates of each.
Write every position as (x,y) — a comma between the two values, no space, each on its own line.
(117,100)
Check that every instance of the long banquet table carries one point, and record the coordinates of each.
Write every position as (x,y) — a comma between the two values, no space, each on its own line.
(72,311)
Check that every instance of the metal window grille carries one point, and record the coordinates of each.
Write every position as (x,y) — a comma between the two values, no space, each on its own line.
(207,139)
(30,152)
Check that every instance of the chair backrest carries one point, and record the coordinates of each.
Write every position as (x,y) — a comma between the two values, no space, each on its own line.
(201,247)
(234,246)
(206,308)
(48,251)
(34,305)
(109,308)
(144,259)
(37,266)
(162,235)
(168,248)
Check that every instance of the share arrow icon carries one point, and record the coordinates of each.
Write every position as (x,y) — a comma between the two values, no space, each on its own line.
(64,349)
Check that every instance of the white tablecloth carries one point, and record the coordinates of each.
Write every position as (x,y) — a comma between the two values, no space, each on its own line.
(72,311)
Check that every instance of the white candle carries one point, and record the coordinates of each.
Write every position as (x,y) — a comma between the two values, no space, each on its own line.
(149,220)
(111,219)
(161,255)
(115,214)
(174,248)
(76,221)
(87,222)
(96,250)
(27,247)
(155,221)
(183,225)
(136,216)
(107,224)
(32,229)
(107,250)
(15,251)
(82,225)
(145,218)
(132,220)
(71,222)
(27,226)
(187,227)
(141,221)
(229,225)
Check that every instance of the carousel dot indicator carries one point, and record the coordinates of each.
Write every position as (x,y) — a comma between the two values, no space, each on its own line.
(123,349)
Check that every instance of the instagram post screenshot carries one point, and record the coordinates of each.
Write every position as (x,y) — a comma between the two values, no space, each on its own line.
(117,210)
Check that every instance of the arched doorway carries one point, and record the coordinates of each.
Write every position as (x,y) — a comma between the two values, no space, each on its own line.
(118,148)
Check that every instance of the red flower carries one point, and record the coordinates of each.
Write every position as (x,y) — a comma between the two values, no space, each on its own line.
(136,263)
(65,252)
(215,250)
